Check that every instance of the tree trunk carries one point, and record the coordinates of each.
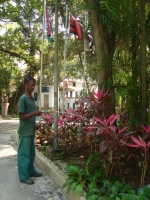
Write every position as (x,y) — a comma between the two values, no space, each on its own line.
(134,93)
(104,61)
(143,61)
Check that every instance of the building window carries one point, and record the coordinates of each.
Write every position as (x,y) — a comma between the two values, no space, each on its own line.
(66,93)
(46,89)
(73,106)
(68,105)
(70,93)
(74,84)
(35,97)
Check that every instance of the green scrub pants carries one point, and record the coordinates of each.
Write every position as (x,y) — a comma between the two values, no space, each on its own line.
(26,154)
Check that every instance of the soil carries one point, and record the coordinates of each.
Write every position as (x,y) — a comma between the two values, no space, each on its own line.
(132,174)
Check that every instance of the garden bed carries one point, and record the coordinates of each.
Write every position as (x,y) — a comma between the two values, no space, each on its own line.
(102,156)
(63,160)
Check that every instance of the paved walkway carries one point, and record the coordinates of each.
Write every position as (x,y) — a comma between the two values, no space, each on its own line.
(10,186)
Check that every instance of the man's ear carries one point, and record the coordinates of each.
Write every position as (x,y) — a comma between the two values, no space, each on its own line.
(25,84)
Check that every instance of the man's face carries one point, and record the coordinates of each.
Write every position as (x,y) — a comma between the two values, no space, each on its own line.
(30,86)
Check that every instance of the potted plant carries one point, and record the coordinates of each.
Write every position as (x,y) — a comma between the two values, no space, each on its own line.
(5,106)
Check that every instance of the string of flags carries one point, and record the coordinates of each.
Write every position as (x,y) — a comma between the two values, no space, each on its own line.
(77,29)
(90,41)
(49,27)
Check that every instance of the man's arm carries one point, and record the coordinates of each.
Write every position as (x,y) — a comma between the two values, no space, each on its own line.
(24,116)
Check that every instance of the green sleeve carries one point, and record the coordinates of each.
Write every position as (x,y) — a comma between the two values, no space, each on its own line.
(22,106)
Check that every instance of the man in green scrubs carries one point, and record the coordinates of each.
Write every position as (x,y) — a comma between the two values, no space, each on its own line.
(26,131)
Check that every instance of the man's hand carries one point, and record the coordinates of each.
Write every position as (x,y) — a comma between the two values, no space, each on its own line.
(24,116)
(38,113)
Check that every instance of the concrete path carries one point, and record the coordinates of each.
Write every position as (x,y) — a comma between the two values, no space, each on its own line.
(10,186)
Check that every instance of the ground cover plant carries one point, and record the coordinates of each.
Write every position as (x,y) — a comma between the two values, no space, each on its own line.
(116,158)
(95,184)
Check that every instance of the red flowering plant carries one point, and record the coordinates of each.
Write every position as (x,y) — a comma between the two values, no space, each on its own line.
(94,104)
(142,145)
(107,138)
(44,134)
(71,131)
(144,131)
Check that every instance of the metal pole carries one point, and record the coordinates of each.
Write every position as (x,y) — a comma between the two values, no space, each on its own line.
(64,69)
(84,66)
(42,52)
(56,70)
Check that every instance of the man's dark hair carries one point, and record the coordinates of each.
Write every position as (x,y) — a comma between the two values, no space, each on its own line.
(27,79)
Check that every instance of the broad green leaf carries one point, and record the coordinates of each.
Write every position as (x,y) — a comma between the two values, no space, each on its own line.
(101,198)
(128,188)
(91,192)
(116,186)
(68,181)
(93,197)
(98,174)
(72,186)
(114,189)
(72,168)
(92,185)
(90,159)
(79,188)
(129,197)
(145,191)
(142,197)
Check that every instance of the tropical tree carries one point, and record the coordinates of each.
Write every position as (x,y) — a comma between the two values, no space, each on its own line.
(116,30)
(120,31)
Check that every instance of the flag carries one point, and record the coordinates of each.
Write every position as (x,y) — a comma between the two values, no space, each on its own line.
(76,28)
(49,27)
(90,39)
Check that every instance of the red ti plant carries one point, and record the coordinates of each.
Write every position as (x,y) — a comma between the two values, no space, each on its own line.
(145,131)
(93,105)
(76,121)
(111,139)
(44,135)
(71,130)
(138,142)
(48,119)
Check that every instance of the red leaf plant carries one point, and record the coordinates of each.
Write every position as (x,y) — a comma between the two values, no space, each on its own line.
(48,119)
(110,140)
(145,131)
(60,122)
(71,130)
(138,142)
(44,134)
(93,105)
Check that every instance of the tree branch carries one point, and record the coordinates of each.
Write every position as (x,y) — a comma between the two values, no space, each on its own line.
(20,56)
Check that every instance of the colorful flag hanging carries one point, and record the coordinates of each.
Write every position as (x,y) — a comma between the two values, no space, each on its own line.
(75,27)
(90,39)
(49,27)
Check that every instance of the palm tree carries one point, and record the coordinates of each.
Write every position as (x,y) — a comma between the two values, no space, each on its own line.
(116,24)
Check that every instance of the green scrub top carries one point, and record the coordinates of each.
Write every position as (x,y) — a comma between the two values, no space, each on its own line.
(26,105)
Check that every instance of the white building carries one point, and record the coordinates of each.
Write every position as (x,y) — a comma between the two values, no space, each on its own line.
(72,89)
(46,98)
